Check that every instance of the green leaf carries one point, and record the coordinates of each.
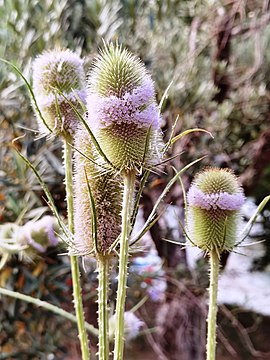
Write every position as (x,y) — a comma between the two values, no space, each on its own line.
(44,187)
(184,133)
(29,89)
(245,232)
(138,197)
(81,118)
(93,214)
(164,96)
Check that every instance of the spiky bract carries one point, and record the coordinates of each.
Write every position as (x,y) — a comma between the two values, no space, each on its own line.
(58,80)
(106,189)
(122,110)
(214,200)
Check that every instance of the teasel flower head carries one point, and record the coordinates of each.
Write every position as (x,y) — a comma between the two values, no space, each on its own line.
(58,82)
(213,213)
(122,110)
(106,190)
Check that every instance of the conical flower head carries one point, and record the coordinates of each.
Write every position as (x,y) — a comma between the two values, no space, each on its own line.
(106,189)
(122,110)
(214,200)
(58,80)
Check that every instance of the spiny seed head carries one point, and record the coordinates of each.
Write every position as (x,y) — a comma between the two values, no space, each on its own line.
(58,78)
(122,110)
(106,189)
(214,200)
(116,72)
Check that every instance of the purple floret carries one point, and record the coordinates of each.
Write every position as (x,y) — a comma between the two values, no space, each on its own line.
(221,200)
(137,107)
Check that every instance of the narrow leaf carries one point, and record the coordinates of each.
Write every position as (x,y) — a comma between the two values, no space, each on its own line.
(43,185)
(138,197)
(252,220)
(168,144)
(30,91)
(164,96)
(146,144)
(94,140)
(161,197)
(184,133)
(93,213)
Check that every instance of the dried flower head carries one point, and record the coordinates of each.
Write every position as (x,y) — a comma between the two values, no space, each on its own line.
(106,189)
(58,80)
(214,200)
(122,110)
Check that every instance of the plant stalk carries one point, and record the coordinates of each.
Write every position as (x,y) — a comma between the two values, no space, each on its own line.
(75,272)
(212,311)
(129,186)
(47,306)
(103,316)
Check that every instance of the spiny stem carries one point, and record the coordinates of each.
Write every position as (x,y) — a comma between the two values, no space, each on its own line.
(75,272)
(129,186)
(212,311)
(47,306)
(103,318)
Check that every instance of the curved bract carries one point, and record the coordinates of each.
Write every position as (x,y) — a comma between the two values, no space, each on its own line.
(122,111)
(214,200)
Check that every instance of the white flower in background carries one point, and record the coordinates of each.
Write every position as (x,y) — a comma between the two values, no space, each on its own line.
(133,326)
(40,234)
(150,268)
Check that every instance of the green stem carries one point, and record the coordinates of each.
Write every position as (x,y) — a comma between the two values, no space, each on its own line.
(212,311)
(45,305)
(129,185)
(75,272)
(103,318)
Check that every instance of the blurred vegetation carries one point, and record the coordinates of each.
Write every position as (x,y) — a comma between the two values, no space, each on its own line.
(217,55)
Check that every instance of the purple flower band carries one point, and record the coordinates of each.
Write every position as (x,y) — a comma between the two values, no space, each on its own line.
(221,200)
(136,107)
(49,100)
